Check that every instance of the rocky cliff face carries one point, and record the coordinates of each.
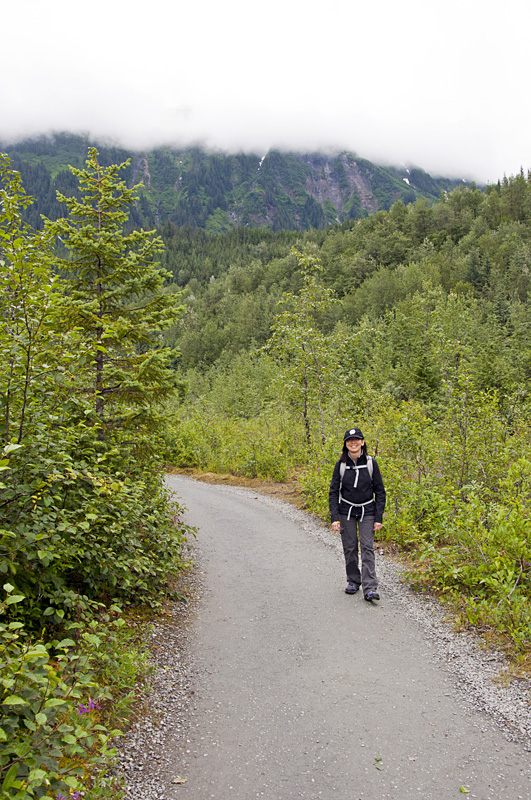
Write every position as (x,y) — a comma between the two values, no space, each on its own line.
(302,190)
(337,181)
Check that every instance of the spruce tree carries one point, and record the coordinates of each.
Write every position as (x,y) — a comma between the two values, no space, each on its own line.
(115,298)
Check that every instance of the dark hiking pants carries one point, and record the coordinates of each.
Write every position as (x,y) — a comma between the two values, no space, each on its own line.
(351,530)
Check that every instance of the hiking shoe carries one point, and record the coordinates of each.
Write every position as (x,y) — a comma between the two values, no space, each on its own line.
(352,588)
(371,595)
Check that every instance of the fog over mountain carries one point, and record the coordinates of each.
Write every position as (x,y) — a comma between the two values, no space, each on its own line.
(398,84)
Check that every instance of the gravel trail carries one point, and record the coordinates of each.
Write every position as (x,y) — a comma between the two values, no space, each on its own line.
(278,685)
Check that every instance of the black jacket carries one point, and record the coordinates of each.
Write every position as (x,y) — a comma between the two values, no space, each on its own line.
(367,489)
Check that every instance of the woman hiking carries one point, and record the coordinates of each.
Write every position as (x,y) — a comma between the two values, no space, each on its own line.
(357,501)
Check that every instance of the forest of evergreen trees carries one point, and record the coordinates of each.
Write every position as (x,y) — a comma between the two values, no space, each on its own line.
(196,188)
(471,243)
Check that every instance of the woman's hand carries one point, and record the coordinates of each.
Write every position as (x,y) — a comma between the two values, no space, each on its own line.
(336,527)
(378,526)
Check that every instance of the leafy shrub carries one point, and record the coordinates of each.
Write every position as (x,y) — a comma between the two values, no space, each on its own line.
(258,448)
(86,529)
(47,694)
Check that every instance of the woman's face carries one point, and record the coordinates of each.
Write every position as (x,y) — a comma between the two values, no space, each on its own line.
(354,447)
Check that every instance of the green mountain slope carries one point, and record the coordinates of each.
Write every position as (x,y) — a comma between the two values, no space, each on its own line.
(216,191)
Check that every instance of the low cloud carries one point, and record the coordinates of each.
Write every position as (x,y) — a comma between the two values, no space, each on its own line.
(388,83)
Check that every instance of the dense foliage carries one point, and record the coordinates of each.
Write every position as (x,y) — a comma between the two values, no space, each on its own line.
(86,522)
(419,334)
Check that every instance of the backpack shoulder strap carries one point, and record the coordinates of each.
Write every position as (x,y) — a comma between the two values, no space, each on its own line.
(342,468)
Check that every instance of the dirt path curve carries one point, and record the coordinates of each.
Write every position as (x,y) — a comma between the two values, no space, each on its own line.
(306,692)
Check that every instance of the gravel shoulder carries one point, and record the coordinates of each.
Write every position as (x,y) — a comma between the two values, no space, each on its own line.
(394,702)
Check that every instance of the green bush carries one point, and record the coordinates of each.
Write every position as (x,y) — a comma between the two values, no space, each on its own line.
(86,529)
(263,447)
(48,696)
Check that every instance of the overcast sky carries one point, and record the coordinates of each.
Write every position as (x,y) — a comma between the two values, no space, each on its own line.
(440,85)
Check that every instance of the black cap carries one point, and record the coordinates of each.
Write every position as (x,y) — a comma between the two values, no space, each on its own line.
(353,433)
